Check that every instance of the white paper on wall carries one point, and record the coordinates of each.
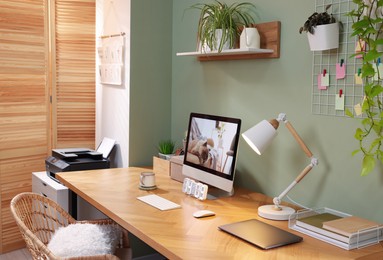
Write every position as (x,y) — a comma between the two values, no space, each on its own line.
(111,54)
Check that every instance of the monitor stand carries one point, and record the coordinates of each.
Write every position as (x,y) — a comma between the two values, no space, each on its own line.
(215,193)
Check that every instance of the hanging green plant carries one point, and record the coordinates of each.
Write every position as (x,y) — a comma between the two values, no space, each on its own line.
(368,28)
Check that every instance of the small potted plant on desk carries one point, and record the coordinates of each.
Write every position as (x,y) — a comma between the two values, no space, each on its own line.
(161,164)
(166,149)
(322,31)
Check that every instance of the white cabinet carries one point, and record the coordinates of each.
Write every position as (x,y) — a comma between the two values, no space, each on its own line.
(44,185)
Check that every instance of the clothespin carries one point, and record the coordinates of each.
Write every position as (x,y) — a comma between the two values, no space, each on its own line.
(340,93)
(324,72)
(341,62)
(359,71)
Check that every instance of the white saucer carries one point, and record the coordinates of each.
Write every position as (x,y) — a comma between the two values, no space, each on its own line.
(148,188)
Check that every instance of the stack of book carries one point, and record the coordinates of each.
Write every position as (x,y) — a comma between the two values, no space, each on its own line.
(337,228)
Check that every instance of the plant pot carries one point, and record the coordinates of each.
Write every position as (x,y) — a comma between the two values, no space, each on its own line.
(218,36)
(165,156)
(325,37)
(249,39)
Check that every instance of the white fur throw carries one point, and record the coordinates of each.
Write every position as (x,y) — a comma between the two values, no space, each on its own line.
(84,240)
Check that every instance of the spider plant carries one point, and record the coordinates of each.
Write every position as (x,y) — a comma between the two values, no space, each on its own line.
(228,18)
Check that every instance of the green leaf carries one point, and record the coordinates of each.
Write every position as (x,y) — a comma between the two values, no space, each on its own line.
(372,55)
(370,30)
(368,165)
(359,134)
(357,32)
(358,2)
(376,90)
(355,152)
(377,128)
(379,41)
(365,106)
(364,23)
(376,20)
(376,142)
(367,70)
(368,87)
(366,122)
(349,113)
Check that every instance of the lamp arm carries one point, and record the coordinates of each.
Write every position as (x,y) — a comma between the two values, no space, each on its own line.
(299,140)
(306,170)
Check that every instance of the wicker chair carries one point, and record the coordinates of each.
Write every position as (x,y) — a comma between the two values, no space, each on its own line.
(38,217)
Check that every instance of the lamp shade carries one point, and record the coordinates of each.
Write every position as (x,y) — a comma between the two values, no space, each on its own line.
(260,136)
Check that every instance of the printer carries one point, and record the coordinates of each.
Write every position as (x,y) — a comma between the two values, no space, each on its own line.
(79,159)
(74,159)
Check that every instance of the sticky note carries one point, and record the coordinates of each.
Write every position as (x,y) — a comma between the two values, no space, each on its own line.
(340,71)
(325,80)
(358,109)
(339,102)
(358,79)
(319,79)
(360,47)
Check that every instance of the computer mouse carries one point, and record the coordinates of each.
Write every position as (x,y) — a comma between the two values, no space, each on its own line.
(203,213)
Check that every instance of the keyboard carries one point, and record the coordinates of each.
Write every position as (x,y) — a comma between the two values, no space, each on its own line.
(159,202)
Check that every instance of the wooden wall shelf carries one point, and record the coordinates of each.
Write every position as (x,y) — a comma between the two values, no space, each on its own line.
(270,34)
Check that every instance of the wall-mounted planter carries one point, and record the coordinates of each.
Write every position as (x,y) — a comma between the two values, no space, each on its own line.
(325,37)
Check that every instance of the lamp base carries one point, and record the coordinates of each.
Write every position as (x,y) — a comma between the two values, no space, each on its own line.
(269,212)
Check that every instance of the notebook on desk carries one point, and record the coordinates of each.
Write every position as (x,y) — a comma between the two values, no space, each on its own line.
(260,234)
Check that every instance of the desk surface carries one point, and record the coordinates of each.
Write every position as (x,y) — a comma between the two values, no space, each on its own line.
(176,234)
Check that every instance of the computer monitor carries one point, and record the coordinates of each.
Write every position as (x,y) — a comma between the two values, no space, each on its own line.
(211,151)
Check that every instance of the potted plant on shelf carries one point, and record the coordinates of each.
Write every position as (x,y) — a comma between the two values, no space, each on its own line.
(368,28)
(166,149)
(322,31)
(219,24)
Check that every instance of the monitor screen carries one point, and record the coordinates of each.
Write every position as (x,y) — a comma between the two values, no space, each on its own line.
(211,150)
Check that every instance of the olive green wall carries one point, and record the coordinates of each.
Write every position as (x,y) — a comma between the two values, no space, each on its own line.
(150,78)
(260,89)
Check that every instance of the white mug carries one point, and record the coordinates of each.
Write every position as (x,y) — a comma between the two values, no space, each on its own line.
(147,179)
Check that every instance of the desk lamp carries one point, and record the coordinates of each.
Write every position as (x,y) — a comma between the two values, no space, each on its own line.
(259,138)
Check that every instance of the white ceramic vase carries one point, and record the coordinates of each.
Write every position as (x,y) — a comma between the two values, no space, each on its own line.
(325,37)
(250,39)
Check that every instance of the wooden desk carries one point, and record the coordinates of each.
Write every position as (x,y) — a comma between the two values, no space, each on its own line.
(176,234)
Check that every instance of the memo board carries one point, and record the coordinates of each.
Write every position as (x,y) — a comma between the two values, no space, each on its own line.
(324,101)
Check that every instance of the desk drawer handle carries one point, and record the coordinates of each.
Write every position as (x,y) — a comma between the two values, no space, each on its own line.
(45,206)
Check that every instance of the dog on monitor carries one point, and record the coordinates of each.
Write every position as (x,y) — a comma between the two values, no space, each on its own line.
(200,149)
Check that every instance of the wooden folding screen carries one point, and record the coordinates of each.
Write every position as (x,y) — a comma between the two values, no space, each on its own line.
(74,122)
(47,51)
(24,107)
